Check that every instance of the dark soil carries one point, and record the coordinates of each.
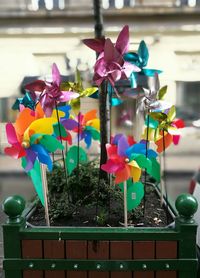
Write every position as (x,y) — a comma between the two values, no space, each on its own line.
(111,216)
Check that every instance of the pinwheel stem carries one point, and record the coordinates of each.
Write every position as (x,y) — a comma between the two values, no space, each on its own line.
(45,191)
(164,177)
(146,154)
(78,151)
(63,156)
(125,205)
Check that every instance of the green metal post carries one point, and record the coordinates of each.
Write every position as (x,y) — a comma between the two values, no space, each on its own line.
(13,207)
(186,206)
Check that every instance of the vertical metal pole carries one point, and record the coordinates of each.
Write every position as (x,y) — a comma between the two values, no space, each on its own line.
(98,18)
(103,95)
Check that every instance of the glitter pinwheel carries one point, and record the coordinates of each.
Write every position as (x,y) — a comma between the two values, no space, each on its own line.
(140,59)
(31,137)
(152,99)
(25,101)
(110,64)
(88,126)
(49,94)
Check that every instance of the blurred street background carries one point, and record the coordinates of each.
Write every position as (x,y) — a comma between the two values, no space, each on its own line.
(36,33)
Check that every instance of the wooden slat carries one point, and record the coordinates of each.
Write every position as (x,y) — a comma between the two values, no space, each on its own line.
(32,249)
(54,249)
(32,274)
(76,249)
(98,250)
(121,250)
(144,274)
(166,249)
(144,250)
(166,274)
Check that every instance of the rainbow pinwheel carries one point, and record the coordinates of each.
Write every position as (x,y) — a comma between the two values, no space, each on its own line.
(31,137)
(110,64)
(88,126)
(64,123)
(164,128)
(120,162)
(49,93)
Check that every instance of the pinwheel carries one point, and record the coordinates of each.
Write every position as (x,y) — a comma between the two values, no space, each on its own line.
(124,167)
(64,123)
(110,64)
(146,158)
(31,137)
(26,101)
(78,87)
(152,99)
(140,59)
(119,162)
(88,127)
(166,130)
(50,93)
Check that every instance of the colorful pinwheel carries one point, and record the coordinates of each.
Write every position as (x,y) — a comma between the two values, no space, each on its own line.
(110,64)
(120,162)
(166,129)
(88,126)
(31,137)
(50,94)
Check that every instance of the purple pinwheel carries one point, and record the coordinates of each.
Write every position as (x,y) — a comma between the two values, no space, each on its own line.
(50,93)
(110,64)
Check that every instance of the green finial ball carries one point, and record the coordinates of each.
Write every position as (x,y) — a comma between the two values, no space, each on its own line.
(186,205)
(14,206)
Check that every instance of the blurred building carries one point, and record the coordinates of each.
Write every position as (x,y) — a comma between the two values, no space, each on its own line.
(36,33)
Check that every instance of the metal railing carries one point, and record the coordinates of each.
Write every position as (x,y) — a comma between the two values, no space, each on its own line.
(32,252)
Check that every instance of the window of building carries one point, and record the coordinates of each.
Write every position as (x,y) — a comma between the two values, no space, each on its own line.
(188,100)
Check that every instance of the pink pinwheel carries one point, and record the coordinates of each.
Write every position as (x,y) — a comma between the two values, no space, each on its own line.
(120,162)
(50,93)
(110,64)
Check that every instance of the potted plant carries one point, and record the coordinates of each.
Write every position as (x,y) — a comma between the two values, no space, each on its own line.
(40,130)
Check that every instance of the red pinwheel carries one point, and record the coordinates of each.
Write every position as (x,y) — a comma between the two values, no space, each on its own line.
(120,162)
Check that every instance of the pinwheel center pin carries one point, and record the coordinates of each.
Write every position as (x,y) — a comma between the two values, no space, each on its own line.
(25,144)
(126,160)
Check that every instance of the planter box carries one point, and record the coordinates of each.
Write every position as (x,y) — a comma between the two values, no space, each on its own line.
(100,252)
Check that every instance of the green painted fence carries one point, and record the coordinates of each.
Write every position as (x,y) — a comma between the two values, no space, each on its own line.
(100,252)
